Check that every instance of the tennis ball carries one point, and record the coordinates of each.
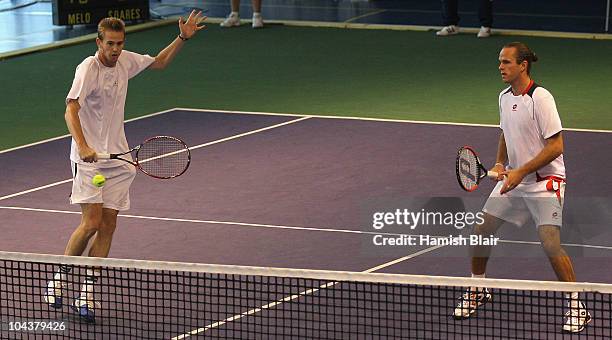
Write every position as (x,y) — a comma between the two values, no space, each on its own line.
(98,180)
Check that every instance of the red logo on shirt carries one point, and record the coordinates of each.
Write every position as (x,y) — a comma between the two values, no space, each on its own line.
(514,107)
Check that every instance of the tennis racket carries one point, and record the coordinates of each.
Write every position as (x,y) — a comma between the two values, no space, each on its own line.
(469,169)
(160,157)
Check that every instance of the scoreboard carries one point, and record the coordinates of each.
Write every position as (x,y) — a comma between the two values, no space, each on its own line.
(90,12)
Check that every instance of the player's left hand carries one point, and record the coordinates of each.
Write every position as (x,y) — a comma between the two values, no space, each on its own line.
(192,25)
(513,178)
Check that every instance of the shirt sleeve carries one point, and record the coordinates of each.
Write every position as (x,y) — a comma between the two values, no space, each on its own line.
(81,85)
(546,113)
(136,63)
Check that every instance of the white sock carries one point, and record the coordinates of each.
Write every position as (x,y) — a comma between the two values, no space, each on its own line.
(234,14)
(59,277)
(477,276)
(88,285)
(256,14)
(62,273)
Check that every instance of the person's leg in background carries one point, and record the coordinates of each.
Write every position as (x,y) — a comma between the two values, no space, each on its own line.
(233,19)
(257,18)
(450,18)
(485,16)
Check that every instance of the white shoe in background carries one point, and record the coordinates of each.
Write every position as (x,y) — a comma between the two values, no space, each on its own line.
(257,20)
(448,30)
(484,32)
(232,20)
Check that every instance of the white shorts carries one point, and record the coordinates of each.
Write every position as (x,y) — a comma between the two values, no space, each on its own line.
(115,194)
(544,205)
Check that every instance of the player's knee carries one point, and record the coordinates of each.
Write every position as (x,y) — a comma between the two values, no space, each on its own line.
(90,226)
(107,228)
(550,240)
(482,230)
(488,227)
(91,218)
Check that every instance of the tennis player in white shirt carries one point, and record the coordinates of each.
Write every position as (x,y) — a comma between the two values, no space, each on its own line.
(533,183)
(94,115)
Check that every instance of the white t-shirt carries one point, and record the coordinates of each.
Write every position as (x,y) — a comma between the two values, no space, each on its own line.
(101,92)
(527,121)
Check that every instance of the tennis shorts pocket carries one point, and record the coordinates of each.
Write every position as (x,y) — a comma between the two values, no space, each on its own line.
(557,186)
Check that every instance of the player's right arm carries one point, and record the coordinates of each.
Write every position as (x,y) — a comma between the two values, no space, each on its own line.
(74,126)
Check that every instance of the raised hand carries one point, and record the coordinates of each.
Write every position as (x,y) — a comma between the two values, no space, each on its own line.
(192,25)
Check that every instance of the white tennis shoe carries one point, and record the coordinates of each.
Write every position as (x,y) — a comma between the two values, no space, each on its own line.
(257,21)
(232,20)
(576,319)
(86,306)
(484,32)
(470,301)
(448,30)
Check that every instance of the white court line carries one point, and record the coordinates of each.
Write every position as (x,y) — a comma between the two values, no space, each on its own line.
(276,226)
(64,136)
(191,148)
(249,133)
(295,296)
(240,224)
(563,244)
(387,120)
(35,189)
(225,139)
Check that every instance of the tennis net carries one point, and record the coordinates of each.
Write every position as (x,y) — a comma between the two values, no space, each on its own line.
(168,300)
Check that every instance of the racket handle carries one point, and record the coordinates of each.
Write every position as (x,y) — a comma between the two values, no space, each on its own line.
(490,174)
(104,156)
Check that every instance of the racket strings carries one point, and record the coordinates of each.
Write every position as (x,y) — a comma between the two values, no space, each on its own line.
(468,169)
(163,157)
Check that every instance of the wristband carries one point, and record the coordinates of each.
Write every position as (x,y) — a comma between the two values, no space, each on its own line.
(181,37)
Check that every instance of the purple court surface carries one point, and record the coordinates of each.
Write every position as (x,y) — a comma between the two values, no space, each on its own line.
(314,173)
(298,192)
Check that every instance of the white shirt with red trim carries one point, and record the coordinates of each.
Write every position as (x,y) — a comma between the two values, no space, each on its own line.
(101,92)
(527,120)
